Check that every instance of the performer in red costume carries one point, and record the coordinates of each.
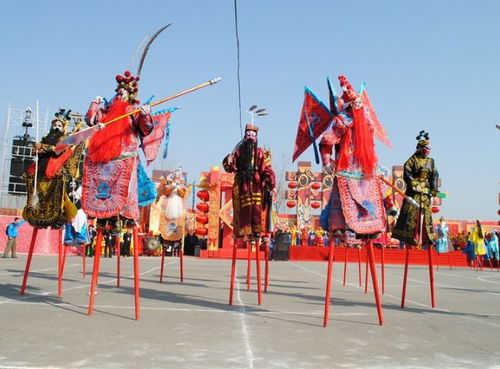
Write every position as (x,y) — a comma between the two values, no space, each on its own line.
(110,167)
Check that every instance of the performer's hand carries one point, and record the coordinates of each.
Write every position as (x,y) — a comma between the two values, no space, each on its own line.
(230,159)
(99,100)
(145,110)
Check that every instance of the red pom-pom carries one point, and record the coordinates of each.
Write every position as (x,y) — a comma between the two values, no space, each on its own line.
(137,102)
(127,73)
(119,78)
(137,78)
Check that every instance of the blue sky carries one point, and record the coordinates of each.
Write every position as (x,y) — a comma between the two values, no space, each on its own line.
(429,65)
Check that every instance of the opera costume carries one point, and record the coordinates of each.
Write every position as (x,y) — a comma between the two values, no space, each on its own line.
(50,205)
(494,249)
(254,182)
(357,200)
(442,232)
(421,178)
(111,164)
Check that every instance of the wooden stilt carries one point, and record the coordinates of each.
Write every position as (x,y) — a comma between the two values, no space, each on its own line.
(162,263)
(328,285)
(373,271)
(366,271)
(359,266)
(84,259)
(118,261)
(405,277)
(257,261)
(95,271)
(345,264)
(233,272)
(431,276)
(181,263)
(382,262)
(249,266)
(136,272)
(59,262)
(266,272)
(28,260)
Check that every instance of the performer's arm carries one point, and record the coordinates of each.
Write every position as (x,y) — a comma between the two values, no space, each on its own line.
(95,112)
(143,120)
(331,138)
(229,162)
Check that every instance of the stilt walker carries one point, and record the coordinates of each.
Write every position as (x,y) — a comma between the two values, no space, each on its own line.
(254,185)
(414,224)
(356,202)
(48,203)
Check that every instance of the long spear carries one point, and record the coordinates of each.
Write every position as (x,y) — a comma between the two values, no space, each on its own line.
(82,135)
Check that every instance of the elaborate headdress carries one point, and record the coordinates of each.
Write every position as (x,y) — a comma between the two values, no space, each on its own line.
(128,83)
(423,139)
(349,94)
(251,127)
(64,117)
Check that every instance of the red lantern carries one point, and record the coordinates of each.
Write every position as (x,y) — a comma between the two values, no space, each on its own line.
(202,218)
(498,212)
(202,206)
(203,195)
(315,186)
(315,205)
(292,185)
(499,222)
(200,231)
(290,204)
(435,209)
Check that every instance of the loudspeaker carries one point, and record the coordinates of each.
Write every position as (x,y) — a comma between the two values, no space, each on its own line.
(19,163)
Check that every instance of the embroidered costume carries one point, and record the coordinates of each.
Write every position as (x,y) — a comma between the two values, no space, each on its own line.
(254,182)
(421,178)
(111,164)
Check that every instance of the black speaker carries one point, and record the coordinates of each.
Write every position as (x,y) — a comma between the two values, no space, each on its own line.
(19,163)
(281,250)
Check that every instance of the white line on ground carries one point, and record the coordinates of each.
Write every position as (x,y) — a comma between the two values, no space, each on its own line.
(244,328)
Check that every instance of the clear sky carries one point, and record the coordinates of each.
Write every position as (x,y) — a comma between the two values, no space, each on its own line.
(431,65)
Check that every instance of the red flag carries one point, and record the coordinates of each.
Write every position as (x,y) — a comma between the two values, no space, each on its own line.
(319,118)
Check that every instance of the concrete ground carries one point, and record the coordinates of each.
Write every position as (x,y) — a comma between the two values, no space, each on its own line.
(190,325)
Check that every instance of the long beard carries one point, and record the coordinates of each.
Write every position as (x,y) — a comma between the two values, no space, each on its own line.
(244,162)
(53,136)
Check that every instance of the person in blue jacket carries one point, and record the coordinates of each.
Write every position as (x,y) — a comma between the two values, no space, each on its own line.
(12,232)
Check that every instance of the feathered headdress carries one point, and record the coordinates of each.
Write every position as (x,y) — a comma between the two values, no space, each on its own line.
(423,139)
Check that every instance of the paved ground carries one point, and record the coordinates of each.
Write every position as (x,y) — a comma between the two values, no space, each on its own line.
(190,325)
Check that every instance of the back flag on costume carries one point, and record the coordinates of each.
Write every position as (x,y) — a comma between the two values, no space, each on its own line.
(151,143)
(315,117)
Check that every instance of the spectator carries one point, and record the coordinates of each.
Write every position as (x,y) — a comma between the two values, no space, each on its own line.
(12,232)
(125,246)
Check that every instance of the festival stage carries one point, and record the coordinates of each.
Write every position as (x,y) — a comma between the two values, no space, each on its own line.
(314,253)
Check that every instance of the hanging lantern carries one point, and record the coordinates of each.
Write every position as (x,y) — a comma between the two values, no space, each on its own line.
(290,204)
(200,231)
(202,218)
(315,186)
(315,205)
(435,209)
(203,195)
(202,206)
(292,185)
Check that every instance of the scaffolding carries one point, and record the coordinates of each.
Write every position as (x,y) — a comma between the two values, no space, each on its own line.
(23,127)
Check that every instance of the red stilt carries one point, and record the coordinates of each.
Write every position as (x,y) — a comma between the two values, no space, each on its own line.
(118,261)
(59,263)
(405,277)
(257,261)
(162,263)
(266,272)
(84,257)
(95,271)
(233,272)
(136,273)
(373,271)
(249,266)
(28,260)
(431,276)
(181,263)
(328,285)
(359,266)
(345,265)
(382,261)
(366,272)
